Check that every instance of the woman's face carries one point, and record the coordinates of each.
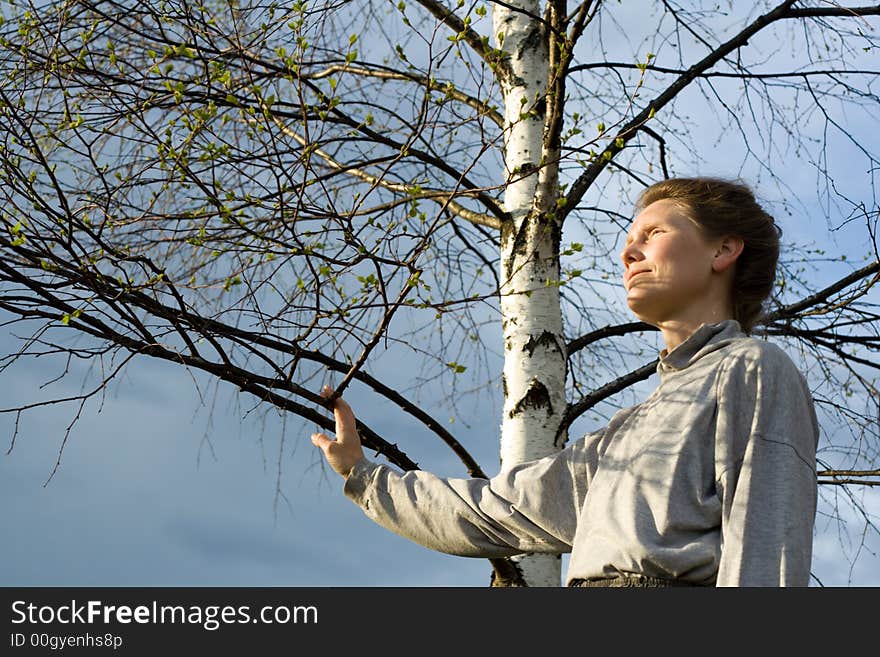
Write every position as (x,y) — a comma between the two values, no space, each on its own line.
(670,267)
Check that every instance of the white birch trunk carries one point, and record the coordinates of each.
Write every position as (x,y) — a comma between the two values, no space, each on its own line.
(534,348)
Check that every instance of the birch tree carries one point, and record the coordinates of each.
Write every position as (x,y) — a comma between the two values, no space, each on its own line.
(273,192)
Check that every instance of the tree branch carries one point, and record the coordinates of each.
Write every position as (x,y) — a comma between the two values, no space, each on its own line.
(721,74)
(576,409)
(447,88)
(606,332)
(444,199)
(480,44)
(793,309)
(631,128)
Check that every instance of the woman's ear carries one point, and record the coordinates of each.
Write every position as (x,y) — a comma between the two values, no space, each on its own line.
(728,251)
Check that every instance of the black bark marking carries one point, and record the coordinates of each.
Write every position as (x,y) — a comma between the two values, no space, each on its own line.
(537,396)
(541,108)
(530,42)
(546,339)
(520,237)
(506,574)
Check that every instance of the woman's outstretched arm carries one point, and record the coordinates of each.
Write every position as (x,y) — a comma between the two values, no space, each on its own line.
(531,507)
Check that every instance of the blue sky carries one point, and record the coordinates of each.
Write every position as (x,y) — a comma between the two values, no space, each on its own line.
(141,499)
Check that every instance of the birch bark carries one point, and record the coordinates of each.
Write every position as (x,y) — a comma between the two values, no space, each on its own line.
(534,349)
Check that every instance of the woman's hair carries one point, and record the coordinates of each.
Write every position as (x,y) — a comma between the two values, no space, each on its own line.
(721,208)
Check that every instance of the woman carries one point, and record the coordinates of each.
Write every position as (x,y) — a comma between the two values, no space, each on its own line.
(710,481)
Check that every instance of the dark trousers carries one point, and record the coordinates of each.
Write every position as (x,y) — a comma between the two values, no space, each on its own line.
(631,581)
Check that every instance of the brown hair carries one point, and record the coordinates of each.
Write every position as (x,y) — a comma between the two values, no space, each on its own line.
(720,208)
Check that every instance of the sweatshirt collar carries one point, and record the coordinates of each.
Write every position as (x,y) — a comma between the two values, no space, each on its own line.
(705,339)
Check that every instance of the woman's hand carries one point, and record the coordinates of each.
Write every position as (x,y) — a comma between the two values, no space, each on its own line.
(345,451)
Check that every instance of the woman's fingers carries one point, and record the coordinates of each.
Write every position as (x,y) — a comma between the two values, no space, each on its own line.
(345,451)
(321,440)
(346,424)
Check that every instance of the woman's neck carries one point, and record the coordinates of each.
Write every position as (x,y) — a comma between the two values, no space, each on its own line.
(677,330)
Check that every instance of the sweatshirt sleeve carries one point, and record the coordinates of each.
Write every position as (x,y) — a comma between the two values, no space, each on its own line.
(766,469)
(532,507)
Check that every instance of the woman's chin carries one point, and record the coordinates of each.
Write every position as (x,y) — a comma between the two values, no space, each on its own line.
(639,305)
(646,312)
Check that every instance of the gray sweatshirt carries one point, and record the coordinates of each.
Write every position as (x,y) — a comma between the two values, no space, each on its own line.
(712,479)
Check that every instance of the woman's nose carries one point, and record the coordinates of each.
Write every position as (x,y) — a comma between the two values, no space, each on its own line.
(630,253)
